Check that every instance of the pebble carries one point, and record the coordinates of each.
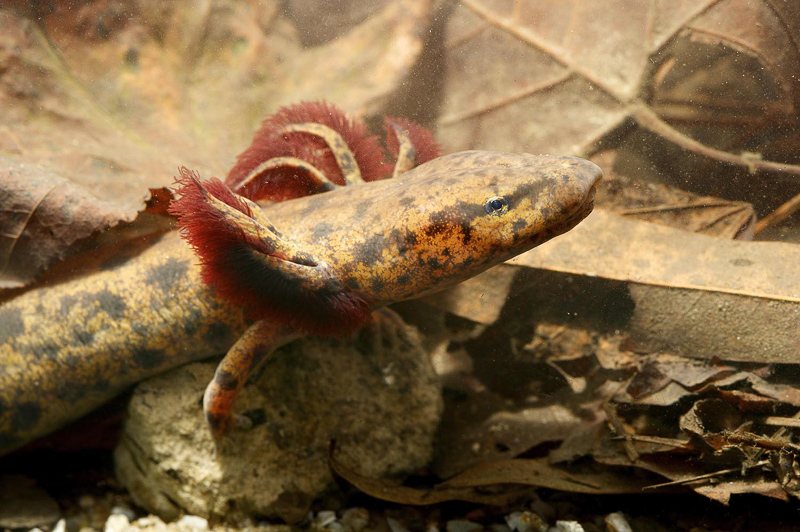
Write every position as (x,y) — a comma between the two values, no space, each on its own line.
(395,526)
(117,523)
(192,522)
(355,519)
(25,505)
(567,526)
(123,510)
(617,522)
(526,522)
(324,518)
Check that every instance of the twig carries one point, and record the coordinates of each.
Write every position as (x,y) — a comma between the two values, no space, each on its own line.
(707,476)
(667,442)
(649,120)
(505,101)
(671,208)
(778,215)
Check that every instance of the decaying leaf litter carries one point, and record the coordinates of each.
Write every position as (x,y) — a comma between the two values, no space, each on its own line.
(666,347)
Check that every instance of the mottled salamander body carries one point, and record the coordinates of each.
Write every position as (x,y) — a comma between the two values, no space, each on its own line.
(66,349)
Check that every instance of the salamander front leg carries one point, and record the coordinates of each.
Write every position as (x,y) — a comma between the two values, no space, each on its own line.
(260,340)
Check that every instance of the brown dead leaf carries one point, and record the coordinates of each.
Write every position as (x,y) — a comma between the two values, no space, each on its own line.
(731,446)
(390,491)
(665,205)
(41,216)
(711,415)
(498,483)
(694,88)
(113,96)
(784,393)
(695,295)
(497,432)
(586,478)
(525,400)
(665,378)
(722,491)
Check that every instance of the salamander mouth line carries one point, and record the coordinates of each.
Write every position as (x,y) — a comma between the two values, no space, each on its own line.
(572,220)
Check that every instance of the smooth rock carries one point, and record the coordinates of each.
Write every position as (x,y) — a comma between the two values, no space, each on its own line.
(23,504)
(376,395)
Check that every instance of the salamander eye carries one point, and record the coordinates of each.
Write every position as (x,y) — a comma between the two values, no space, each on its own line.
(496,206)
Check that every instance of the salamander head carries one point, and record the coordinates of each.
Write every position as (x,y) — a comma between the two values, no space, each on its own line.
(460,214)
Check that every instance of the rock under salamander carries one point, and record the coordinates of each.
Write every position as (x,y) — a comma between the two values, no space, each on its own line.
(324,261)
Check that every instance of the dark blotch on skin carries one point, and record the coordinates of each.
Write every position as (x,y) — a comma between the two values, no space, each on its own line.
(434,263)
(406,202)
(155,304)
(530,190)
(403,240)
(11,324)
(215,333)
(436,229)
(314,204)
(466,233)
(371,250)
(140,328)
(377,284)
(149,358)
(26,415)
(215,420)
(366,204)
(49,348)
(67,303)
(191,321)
(441,217)
(225,380)
(519,225)
(322,230)
(166,276)
(111,303)
(82,337)
(101,385)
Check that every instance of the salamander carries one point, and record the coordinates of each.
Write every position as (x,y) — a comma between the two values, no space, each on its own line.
(318,264)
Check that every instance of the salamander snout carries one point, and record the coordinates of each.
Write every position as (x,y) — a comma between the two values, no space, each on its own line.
(586,172)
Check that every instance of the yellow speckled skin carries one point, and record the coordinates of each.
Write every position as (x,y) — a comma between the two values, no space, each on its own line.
(66,349)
